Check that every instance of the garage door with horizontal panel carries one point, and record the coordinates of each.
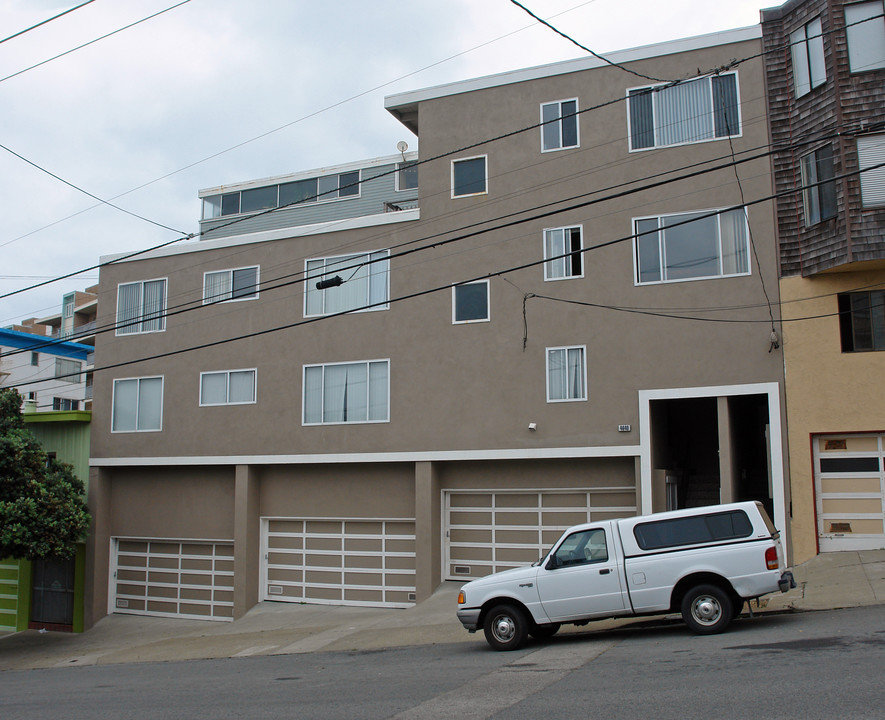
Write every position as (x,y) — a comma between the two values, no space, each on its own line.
(181,578)
(339,561)
(850,491)
(488,531)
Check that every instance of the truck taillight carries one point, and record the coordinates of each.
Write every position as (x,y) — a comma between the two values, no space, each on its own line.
(771,561)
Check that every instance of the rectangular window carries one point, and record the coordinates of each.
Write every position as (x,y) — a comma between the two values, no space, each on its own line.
(141,307)
(566,374)
(862,320)
(563,252)
(469,176)
(35,359)
(870,153)
(865,30)
(137,405)
(229,387)
(356,392)
(65,404)
(470,302)
(818,200)
(298,192)
(407,175)
(695,111)
(364,282)
(691,246)
(224,285)
(807,49)
(559,128)
(718,527)
(68,370)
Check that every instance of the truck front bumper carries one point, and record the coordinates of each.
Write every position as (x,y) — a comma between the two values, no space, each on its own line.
(469,618)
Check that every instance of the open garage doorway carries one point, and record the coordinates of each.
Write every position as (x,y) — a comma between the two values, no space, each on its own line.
(704,446)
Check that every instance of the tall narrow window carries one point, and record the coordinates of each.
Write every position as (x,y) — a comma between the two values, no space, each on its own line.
(694,111)
(363,286)
(691,246)
(566,374)
(563,251)
(559,125)
(866,36)
(224,285)
(356,392)
(807,50)
(862,320)
(469,176)
(141,307)
(819,188)
(870,154)
(137,405)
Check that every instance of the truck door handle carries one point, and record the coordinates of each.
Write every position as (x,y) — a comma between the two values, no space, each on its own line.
(604,571)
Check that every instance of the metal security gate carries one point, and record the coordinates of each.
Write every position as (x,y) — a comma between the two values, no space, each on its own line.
(339,561)
(488,531)
(9,576)
(181,578)
(849,478)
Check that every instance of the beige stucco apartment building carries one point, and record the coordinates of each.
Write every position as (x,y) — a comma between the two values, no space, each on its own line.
(357,385)
(825,69)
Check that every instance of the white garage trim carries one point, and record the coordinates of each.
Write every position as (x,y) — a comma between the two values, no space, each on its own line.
(338,561)
(849,490)
(166,577)
(491,530)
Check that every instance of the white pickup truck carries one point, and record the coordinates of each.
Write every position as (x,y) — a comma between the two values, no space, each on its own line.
(702,562)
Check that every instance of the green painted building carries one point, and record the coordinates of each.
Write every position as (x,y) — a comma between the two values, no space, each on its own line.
(49,593)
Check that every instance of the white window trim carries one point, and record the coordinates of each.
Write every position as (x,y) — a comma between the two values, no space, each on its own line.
(740,132)
(335,364)
(583,349)
(231,271)
(114,400)
(580,227)
(559,121)
(870,152)
(368,254)
(636,281)
(227,373)
(465,159)
(141,322)
(488,304)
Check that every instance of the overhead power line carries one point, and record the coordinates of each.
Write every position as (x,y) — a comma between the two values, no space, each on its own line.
(486,276)
(48,20)
(91,42)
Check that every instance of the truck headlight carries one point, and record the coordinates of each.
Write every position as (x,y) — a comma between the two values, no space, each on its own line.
(462,598)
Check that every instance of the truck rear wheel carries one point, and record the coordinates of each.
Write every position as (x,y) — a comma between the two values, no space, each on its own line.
(707,609)
(505,627)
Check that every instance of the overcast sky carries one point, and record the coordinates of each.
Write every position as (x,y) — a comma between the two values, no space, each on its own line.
(220,91)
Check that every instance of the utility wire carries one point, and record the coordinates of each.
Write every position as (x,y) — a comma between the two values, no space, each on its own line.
(80,47)
(432,241)
(48,20)
(86,192)
(484,276)
(585,48)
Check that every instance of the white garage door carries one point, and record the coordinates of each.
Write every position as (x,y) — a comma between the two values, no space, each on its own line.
(183,578)
(488,531)
(850,491)
(339,561)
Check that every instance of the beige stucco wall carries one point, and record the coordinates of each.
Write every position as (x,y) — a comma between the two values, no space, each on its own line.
(828,391)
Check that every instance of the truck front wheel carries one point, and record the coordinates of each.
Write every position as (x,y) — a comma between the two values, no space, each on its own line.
(707,609)
(505,627)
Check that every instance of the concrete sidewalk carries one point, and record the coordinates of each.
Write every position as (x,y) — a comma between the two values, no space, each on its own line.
(834,580)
